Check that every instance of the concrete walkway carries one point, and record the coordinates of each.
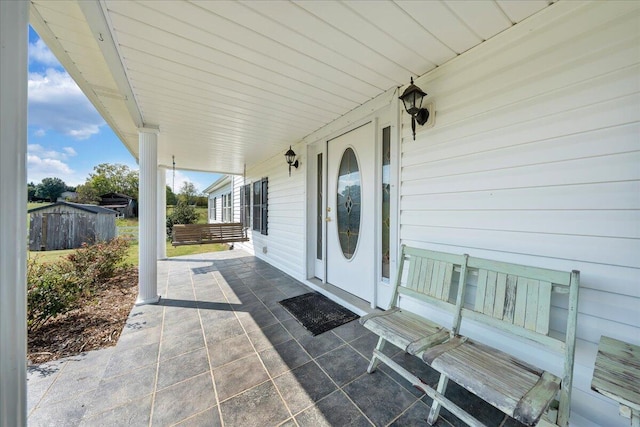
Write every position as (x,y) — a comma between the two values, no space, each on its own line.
(220,351)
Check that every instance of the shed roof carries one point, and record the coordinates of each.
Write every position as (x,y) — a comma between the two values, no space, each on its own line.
(87,208)
(116,196)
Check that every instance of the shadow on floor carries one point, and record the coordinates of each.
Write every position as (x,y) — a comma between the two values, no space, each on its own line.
(218,348)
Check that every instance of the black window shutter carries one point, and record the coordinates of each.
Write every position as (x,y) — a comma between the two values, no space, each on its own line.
(257,200)
(242,218)
(265,206)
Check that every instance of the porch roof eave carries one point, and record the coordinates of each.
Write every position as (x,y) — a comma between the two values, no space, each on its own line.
(233,84)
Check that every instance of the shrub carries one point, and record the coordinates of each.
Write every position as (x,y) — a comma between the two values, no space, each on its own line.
(96,263)
(182,214)
(52,289)
(58,287)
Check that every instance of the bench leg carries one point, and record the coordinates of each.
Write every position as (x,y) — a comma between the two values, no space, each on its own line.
(435,407)
(374,359)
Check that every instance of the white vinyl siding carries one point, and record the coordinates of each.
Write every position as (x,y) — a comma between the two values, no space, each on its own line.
(285,243)
(534,159)
(220,194)
(215,211)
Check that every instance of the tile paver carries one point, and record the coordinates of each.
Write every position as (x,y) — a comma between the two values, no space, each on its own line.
(219,350)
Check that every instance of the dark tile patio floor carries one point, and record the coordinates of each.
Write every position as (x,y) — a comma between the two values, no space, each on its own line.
(218,350)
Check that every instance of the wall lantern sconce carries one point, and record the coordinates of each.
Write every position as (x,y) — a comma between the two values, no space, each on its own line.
(290,155)
(412,99)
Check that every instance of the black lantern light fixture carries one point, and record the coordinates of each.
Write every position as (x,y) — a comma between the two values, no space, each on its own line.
(412,98)
(290,155)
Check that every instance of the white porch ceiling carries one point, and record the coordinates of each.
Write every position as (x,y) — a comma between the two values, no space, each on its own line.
(236,82)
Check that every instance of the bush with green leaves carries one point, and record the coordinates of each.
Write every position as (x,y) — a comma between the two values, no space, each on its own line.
(100,261)
(58,287)
(52,289)
(182,214)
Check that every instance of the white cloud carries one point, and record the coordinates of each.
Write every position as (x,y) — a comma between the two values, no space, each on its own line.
(39,168)
(40,133)
(39,151)
(39,52)
(70,151)
(57,103)
(43,163)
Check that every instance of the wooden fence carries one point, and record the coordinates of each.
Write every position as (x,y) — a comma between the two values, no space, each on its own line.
(130,233)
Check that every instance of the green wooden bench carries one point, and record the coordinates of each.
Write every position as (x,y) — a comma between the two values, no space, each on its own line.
(515,300)
(200,234)
(428,277)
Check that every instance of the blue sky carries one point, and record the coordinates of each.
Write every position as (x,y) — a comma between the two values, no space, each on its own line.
(66,135)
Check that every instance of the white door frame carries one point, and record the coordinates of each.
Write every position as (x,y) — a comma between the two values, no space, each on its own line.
(315,268)
(383,117)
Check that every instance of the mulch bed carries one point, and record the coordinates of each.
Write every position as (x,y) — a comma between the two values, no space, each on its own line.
(97,324)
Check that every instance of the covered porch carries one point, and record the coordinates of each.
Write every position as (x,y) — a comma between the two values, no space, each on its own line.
(530,156)
(219,350)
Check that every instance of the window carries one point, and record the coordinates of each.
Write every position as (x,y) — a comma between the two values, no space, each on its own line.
(386,200)
(226,208)
(214,216)
(348,203)
(319,182)
(245,205)
(260,207)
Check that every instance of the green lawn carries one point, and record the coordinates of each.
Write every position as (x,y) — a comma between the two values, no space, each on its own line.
(132,253)
(132,257)
(31,205)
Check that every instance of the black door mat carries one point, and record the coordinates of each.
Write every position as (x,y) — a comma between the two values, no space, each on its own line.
(317,313)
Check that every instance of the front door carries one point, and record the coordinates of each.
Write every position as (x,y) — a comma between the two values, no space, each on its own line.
(350,212)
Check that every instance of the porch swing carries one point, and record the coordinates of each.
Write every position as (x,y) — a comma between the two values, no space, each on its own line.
(203,234)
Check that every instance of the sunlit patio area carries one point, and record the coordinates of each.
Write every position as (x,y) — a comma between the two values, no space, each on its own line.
(218,350)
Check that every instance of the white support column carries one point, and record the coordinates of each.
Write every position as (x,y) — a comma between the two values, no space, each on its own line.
(162,212)
(148,217)
(14,19)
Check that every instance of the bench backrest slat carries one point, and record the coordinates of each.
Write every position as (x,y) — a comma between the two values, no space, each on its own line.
(522,301)
(517,299)
(429,277)
(516,295)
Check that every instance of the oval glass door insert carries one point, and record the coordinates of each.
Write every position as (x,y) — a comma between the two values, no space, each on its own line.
(348,203)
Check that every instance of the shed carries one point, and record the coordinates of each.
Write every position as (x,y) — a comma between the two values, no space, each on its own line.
(65,225)
(126,206)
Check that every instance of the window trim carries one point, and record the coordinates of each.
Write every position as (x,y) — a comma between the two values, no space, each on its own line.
(260,206)
(227,208)
(245,205)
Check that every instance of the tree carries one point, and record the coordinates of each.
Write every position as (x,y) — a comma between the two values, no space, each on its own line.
(114,178)
(87,194)
(50,189)
(171,197)
(188,192)
(182,214)
(31,191)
